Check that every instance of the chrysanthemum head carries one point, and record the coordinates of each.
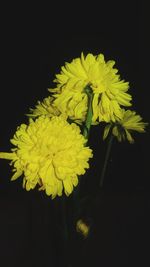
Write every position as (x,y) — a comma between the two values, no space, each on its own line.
(109,91)
(49,152)
(124,126)
(46,107)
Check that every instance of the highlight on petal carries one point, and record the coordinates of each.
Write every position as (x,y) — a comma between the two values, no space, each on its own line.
(50,153)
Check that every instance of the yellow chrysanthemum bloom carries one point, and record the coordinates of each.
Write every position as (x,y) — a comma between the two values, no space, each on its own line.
(49,152)
(82,228)
(124,126)
(45,107)
(109,91)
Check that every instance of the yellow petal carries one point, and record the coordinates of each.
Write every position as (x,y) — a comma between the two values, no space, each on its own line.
(9,156)
(106,131)
(16,175)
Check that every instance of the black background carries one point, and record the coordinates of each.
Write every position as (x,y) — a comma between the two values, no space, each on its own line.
(35,44)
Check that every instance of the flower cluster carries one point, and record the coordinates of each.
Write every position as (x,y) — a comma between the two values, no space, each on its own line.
(51,150)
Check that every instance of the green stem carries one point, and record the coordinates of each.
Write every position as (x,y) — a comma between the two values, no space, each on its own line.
(89,115)
(106,160)
(86,131)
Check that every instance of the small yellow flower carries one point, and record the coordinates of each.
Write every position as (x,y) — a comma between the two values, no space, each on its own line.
(45,107)
(82,228)
(49,152)
(109,91)
(124,126)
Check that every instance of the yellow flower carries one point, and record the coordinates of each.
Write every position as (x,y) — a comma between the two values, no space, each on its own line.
(45,107)
(82,228)
(124,126)
(49,152)
(109,91)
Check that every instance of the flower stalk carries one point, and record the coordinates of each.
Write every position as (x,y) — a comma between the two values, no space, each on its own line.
(106,160)
(89,116)
(86,132)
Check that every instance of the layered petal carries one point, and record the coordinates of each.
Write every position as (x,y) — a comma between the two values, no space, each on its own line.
(49,152)
(109,91)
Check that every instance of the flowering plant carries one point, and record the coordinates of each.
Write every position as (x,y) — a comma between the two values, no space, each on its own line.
(52,150)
